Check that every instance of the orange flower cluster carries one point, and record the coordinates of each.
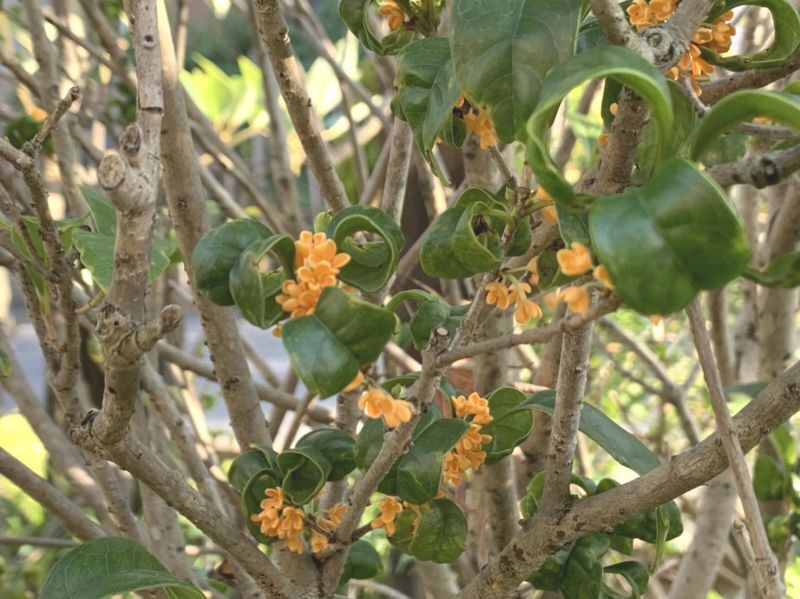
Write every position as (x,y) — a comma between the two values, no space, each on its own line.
(575,261)
(320,541)
(279,520)
(317,264)
(389,509)
(501,295)
(478,122)
(377,403)
(394,15)
(468,452)
(715,36)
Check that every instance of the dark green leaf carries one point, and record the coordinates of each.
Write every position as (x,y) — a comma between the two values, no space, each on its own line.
(252,496)
(217,253)
(610,61)
(420,470)
(5,365)
(438,534)
(256,278)
(741,107)
(769,479)
(355,14)
(110,566)
(783,271)
(245,466)
(501,53)
(651,238)
(634,573)
(432,314)
(363,562)
(426,91)
(327,348)
(373,262)
(582,577)
(511,423)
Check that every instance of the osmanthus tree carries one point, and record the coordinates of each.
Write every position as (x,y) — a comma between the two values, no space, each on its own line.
(561,229)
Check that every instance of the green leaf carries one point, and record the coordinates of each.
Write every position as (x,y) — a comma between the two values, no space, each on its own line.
(511,424)
(786,32)
(363,562)
(502,52)
(783,271)
(666,241)
(372,262)
(245,466)
(426,91)
(103,213)
(324,454)
(256,278)
(217,253)
(110,566)
(420,470)
(438,533)
(619,443)
(355,14)
(634,573)
(616,62)
(576,570)
(432,314)
(97,255)
(327,348)
(368,443)
(768,479)
(5,365)
(646,526)
(741,107)
(253,494)
(662,534)
(465,239)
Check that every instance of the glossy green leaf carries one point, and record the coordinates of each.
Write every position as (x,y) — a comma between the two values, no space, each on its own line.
(327,348)
(419,472)
(324,454)
(372,262)
(576,571)
(245,466)
(368,443)
(619,443)
(256,278)
(363,562)
(502,51)
(111,566)
(511,423)
(438,533)
(742,107)
(616,62)
(217,253)
(426,91)
(666,241)
(103,213)
(786,37)
(634,573)
(783,271)
(432,314)
(465,239)
(97,255)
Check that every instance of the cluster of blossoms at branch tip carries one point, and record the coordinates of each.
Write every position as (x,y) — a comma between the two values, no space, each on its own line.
(468,452)
(316,265)
(389,508)
(377,403)
(574,261)
(716,36)
(394,15)
(478,121)
(276,519)
(503,294)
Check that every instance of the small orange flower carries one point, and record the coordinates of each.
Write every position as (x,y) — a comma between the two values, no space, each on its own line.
(393,14)
(389,509)
(542,194)
(519,291)
(602,139)
(318,542)
(268,520)
(377,403)
(401,412)
(533,268)
(526,311)
(274,500)
(576,298)
(497,294)
(721,32)
(550,215)
(475,406)
(355,383)
(291,522)
(613,108)
(574,261)
(662,9)
(601,274)
(294,543)
(640,14)
(335,514)
(481,124)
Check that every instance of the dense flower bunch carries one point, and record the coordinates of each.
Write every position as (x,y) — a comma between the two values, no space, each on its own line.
(377,403)
(468,452)
(389,508)
(317,264)
(509,290)
(276,519)
(716,36)
(478,121)
(574,261)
